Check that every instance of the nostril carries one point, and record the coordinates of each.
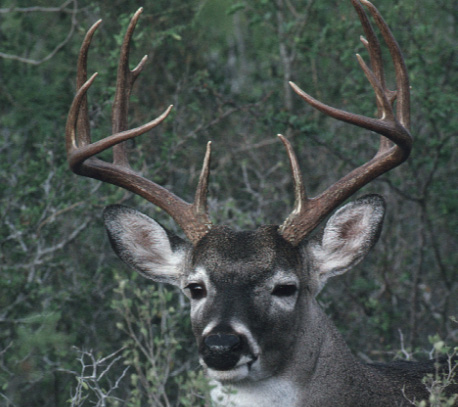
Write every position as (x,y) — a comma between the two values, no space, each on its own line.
(222,342)
(221,351)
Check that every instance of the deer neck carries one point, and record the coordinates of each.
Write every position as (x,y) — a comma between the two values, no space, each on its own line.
(326,368)
(320,350)
(320,359)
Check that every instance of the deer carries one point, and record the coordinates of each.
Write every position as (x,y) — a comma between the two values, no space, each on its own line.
(262,337)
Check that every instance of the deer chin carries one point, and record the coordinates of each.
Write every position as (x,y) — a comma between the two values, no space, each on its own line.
(242,370)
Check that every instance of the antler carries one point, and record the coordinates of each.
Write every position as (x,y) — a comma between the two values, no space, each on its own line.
(395,142)
(192,218)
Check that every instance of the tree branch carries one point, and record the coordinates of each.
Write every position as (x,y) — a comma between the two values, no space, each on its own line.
(59,46)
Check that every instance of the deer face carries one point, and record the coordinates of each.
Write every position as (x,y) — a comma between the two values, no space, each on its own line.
(244,288)
(251,292)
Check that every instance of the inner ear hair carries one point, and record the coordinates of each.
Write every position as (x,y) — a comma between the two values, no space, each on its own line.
(347,237)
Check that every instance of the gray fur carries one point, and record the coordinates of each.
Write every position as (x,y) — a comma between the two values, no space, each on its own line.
(289,353)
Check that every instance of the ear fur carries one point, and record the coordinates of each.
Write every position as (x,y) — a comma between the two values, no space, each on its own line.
(144,244)
(348,236)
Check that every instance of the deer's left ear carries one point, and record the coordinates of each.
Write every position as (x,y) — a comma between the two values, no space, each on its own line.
(144,244)
(348,236)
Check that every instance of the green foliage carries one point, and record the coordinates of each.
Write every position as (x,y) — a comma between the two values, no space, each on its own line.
(223,64)
(437,383)
(156,340)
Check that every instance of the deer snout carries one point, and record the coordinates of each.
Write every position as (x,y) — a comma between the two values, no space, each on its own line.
(222,342)
(222,351)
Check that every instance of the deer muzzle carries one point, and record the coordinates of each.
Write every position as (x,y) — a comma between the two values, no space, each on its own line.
(225,351)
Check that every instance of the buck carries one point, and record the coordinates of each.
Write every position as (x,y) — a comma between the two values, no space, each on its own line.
(261,335)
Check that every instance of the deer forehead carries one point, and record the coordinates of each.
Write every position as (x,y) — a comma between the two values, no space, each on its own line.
(225,255)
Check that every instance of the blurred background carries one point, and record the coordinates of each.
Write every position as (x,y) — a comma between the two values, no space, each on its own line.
(77,327)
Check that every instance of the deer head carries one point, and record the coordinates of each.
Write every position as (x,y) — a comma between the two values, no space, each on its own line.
(252,293)
(246,288)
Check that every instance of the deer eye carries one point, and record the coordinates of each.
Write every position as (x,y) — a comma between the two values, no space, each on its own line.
(284,290)
(197,291)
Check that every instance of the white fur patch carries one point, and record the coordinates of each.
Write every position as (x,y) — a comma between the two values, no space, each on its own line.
(143,244)
(282,277)
(272,392)
(199,276)
(243,330)
(348,236)
(238,373)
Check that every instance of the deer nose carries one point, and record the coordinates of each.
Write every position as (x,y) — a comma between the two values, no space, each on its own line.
(222,351)
(222,342)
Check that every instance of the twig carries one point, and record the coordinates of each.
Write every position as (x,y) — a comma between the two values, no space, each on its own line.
(58,47)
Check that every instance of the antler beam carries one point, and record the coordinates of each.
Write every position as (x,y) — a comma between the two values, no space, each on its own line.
(81,151)
(395,142)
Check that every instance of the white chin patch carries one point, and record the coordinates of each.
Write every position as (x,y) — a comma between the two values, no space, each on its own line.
(229,376)
(239,372)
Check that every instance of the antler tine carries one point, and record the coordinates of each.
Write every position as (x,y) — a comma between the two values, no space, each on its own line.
(124,83)
(81,77)
(200,200)
(371,44)
(300,197)
(402,77)
(390,126)
(81,152)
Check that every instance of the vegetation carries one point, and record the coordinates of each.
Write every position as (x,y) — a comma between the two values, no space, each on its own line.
(76,326)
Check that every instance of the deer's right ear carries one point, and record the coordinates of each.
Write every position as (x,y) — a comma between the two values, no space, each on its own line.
(144,244)
(348,236)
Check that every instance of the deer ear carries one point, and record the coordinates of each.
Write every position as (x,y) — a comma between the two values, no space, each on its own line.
(144,244)
(348,236)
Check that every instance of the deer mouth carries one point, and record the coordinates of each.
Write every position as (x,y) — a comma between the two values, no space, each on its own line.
(240,371)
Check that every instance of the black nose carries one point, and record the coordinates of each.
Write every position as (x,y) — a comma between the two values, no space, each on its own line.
(222,351)
(222,342)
